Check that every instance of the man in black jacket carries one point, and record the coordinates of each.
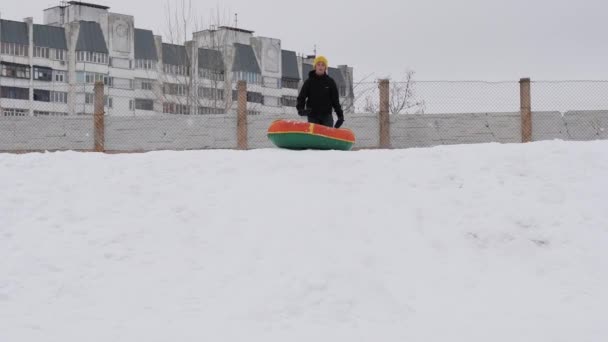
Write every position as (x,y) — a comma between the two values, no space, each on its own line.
(319,95)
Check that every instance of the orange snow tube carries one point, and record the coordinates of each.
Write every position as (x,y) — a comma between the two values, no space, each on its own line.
(297,135)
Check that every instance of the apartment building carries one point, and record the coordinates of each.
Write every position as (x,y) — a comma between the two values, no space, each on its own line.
(51,68)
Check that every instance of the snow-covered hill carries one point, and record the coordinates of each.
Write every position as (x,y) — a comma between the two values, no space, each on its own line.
(462,243)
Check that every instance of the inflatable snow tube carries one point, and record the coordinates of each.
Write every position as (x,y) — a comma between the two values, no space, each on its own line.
(296,135)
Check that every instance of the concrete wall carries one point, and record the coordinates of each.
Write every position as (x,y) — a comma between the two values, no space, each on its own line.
(46,133)
(447,129)
(170,132)
(177,132)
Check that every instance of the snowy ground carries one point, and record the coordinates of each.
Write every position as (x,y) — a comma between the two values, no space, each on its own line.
(483,243)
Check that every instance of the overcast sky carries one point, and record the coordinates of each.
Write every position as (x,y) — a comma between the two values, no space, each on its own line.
(439,39)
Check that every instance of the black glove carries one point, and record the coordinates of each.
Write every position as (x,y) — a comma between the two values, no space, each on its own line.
(339,123)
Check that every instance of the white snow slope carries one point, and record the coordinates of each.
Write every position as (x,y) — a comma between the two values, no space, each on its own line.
(483,243)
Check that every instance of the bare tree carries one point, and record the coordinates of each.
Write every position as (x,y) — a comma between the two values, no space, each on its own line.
(182,21)
(403,96)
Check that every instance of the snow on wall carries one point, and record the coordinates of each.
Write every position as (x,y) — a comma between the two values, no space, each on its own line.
(177,132)
(46,133)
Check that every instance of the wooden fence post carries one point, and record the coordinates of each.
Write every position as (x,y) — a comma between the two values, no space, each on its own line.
(384,117)
(241,122)
(526,110)
(99,117)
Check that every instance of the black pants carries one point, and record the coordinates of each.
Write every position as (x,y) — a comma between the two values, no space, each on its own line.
(325,120)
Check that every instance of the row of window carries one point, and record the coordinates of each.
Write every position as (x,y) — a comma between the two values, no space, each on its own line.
(17,93)
(47,74)
(49,53)
(145,64)
(89,99)
(40,73)
(14,49)
(14,112)
(24,112)
(175,89)
(181,70)
(92,57)
(176,108)
(141,104)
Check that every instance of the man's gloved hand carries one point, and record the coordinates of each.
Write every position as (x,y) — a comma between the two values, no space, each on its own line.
(339,123)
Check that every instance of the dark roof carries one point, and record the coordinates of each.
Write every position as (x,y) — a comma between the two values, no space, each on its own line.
(289,62)
(336,74)
(80,3)
(244,59)
(90,38)
(175,54)
(145,48)
(50,36)
(210,59)
(14,32)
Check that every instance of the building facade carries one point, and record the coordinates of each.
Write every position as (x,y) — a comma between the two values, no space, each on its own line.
(50,69)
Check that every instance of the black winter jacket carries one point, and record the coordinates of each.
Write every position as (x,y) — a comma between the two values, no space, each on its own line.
(320,95)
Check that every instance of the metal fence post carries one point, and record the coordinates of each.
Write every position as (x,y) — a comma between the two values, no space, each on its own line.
(241,122)
(526,110)
(385,129)
(99,117)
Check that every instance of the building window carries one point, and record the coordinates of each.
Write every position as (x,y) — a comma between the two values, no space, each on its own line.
(15,93)
(91,57)
(249,77)
(211,93)
(59,97)
(176,89)
(176,69)
(14,112)
(44,113)
(254,112)
(48,53)
(271,82)
(289,101)
(42,95)
(145,64)
(144,84)
(175,108)
(51,96)
(251,97)
(59,54)
(60,76)
(209,110)
(15,70)
(90,99)
(43,74)
(342,90)
(290,83)
(92,77)
(41,52)
(214,75)
(14,49)
(144,104)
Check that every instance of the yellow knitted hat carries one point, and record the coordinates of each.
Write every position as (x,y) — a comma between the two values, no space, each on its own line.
(321,59)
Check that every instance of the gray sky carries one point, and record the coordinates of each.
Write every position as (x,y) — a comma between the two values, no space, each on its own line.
(439,39)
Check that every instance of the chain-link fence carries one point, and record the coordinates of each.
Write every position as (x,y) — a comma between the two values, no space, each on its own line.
(146,114)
